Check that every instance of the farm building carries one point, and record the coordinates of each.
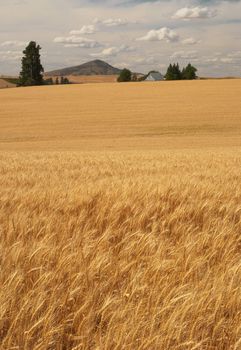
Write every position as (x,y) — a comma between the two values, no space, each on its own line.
(154,76)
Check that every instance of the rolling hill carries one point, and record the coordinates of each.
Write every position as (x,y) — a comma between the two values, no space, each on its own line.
(96,67)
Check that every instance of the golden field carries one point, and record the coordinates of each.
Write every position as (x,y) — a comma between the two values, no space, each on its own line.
(120,216)
(122,116)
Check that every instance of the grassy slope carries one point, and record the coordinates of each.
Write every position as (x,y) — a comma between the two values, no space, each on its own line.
(130,249)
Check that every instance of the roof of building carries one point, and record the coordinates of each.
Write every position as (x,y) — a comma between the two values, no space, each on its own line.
(155,76)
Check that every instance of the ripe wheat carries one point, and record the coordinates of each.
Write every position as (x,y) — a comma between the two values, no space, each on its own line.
(137,248)
(120,250)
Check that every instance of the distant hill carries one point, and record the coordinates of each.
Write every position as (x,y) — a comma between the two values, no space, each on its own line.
(96,67)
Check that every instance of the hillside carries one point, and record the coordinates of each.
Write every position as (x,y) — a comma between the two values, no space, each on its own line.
(96,67)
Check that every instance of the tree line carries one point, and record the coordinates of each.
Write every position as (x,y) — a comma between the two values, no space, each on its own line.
(187,73)
(173,73)
(56,81)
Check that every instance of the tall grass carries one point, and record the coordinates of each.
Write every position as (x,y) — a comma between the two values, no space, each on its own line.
(115,251)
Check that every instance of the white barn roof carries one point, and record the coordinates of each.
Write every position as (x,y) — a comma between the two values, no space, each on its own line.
(155,76)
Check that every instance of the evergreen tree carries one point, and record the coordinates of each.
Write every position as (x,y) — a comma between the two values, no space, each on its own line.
(189,72)
(169,73)
(176,72)
(173,72)
(57,81)
(125,75)
(62,80)
(66,81)
(32,69)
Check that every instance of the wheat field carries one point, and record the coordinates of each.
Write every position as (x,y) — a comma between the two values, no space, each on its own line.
(120,217)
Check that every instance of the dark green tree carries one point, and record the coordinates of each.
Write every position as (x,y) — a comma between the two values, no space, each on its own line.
(125,75)
(189,72)
(32,69)
(62,80)
(173,72)
(57,81)
(66,81)
(170,73)
(176,72)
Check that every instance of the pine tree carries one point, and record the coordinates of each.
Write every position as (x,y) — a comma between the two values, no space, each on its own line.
(62,80)
(176,73)
(169,73)
(57,81)
(32,69)
(173,72)
(189,73)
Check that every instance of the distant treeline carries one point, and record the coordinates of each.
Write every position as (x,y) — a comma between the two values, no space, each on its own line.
(173,73)
(57,81)
(187,73)
(48,81)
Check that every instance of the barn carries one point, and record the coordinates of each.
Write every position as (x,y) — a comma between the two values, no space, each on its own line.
(154,76)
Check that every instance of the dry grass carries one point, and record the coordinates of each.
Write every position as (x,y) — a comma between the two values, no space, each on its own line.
(126,249)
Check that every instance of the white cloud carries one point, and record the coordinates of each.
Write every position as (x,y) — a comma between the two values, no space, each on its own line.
(161,34)
(190,41)
(194,13)
(111,22)
(211,59)
(145,60)
(75,41)
(235,54)
(13,43)
(113,51)
(10,55)
(226,60)
(86,29)
(185,55)
(233,57)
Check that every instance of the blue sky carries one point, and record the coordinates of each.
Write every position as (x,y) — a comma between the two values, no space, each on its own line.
(141,35)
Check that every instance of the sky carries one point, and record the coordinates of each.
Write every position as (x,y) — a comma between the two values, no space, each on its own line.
(137,34)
